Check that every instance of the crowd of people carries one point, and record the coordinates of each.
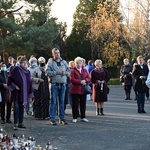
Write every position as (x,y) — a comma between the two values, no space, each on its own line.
(44,88)
(136,76)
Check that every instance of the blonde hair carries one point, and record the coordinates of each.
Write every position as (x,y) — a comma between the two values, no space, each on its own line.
(70,63)
(138,58)
(77,59)
(98,61)
(41,59)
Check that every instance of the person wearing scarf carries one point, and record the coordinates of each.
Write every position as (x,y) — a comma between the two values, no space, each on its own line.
(20,85)
(99,78)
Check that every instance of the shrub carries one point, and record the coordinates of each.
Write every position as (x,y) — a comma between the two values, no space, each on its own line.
(114,81)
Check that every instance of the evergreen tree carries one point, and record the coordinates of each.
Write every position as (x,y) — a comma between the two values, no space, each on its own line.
(9,39)
(77,44)
(40,29)
(28,30)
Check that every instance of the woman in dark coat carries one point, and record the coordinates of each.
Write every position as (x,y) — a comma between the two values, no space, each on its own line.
(140,74)
(126,75)
(99,78)
(78,78)
(4,95)
(20,85)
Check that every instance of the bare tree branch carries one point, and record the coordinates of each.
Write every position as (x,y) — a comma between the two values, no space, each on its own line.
(11,11)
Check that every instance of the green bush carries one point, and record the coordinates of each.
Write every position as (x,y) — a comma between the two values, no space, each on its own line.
(114,81)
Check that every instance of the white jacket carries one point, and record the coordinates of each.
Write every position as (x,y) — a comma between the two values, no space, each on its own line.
(148,80)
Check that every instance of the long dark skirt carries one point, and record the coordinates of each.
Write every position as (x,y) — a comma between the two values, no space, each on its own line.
(41,103)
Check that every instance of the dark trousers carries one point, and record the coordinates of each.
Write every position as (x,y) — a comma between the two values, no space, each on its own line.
(136,93)
(127,89)
(147,94)
(18,112)
(140,100)
(76,100)
(66,97)
(8,114)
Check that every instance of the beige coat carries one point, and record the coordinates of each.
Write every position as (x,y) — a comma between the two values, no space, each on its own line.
(35,78)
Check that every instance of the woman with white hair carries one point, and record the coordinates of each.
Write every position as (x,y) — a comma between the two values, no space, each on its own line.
(33,64)
(99,78)
(126,74)
(41,90)
(78,78)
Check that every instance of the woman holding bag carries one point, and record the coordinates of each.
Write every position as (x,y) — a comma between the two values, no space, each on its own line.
(126,73)
(99,78)
(78,78)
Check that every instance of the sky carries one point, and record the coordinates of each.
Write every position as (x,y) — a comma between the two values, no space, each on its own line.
(64,10)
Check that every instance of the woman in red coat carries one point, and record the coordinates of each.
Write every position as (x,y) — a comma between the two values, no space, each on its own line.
(99,78)
(78,78)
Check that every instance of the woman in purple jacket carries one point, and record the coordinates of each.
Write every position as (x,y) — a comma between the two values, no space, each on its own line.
(20,85)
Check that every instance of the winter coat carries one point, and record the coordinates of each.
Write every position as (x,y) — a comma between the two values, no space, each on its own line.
(20,77)
(99,90)
(125,72)
(75,79)
(140,85)
(3,90)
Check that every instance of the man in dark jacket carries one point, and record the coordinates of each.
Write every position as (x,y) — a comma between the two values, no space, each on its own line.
(140,74)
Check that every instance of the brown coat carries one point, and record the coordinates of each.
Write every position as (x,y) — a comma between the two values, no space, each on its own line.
(99,92)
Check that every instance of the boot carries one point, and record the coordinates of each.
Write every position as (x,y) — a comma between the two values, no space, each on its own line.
(129,95)
(143,111)
(126,95)
(139,111)
(97,112)
(101,111)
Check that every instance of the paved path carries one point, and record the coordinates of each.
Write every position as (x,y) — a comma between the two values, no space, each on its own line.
(122,128)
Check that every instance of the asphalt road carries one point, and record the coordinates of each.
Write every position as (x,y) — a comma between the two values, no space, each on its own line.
(121,128)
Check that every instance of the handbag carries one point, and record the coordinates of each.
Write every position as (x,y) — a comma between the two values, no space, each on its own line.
(101,88)
(108,89)
(87,89)
(121,79)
